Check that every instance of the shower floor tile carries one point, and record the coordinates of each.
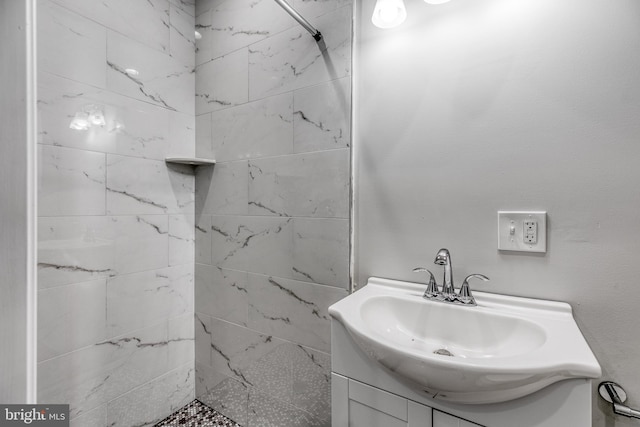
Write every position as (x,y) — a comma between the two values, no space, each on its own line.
(196,414)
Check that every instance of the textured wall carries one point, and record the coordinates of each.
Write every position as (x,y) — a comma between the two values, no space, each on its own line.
(272,216)
(472,107)
(116,225)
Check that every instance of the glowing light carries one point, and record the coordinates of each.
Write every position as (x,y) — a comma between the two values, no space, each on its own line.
(80,122)
(389,13)
(91,115)
(96,118)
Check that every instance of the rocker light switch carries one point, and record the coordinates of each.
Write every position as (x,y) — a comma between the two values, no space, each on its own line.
(522,231)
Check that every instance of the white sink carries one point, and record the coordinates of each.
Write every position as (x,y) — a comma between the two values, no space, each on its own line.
(503,349)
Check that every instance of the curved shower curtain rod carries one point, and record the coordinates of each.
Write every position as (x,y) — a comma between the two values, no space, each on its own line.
(295,15)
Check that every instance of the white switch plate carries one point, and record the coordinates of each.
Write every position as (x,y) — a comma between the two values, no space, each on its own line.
(512,231)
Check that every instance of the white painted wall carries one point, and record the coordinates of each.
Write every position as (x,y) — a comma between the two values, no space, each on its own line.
(17,207)
(477,106)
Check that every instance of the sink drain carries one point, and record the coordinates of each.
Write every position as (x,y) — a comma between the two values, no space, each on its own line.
(443,352)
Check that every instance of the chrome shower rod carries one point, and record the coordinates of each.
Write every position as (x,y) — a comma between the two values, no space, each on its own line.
(295,15)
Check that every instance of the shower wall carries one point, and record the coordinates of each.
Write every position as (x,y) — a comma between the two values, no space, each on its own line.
(116,224)
(272,216)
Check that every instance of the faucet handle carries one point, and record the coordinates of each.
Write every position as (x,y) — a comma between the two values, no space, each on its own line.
(465,296)
(432,286)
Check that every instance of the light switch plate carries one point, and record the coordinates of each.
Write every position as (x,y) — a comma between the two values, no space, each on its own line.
(515,230)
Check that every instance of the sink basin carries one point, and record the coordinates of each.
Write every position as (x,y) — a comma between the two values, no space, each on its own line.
(502,349)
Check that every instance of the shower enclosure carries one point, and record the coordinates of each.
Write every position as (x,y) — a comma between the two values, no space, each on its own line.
(158,283)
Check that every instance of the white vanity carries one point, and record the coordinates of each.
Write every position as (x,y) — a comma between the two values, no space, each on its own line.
(401,360)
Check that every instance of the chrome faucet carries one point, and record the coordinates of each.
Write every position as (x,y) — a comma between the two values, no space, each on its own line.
(448,293)
(444,258)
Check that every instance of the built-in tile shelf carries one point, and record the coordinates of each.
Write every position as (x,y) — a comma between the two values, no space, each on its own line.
(192,161)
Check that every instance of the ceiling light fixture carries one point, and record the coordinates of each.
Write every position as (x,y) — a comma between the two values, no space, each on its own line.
(389,13)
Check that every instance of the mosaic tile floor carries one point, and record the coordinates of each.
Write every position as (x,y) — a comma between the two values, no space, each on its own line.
(196,414)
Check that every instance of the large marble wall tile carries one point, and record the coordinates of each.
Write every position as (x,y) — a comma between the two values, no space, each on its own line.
(153,401)
(182,135)
(137,128)
(204,43)
(226,395)
(240,23)
(91,376)
(321,116)
(257,129)
(133,128)
(70,45)
(135,358)
(124,16)
(187,6)
(78,379)
(204,338)
(139,186)
(292,59)
(181,239)
(71,317)
(59,99)
(161,79)
(75,249)
(321,251)
(181,339)
(223,82)
(70,182)
(139,300)
(203,6)
(235,350)
(292,310)
(94,418)
(140,242)
(318,7)
(182,36)
(222,293)
(203,136)
(223,189)
(310,184)
(256,244)
(203,239)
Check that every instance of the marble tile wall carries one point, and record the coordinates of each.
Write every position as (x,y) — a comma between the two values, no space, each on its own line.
(272,216)
(116,224)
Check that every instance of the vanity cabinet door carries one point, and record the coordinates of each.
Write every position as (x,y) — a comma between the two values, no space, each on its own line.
(355,404)
(365,416)
(440,419)
(371,407)
(419,415)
